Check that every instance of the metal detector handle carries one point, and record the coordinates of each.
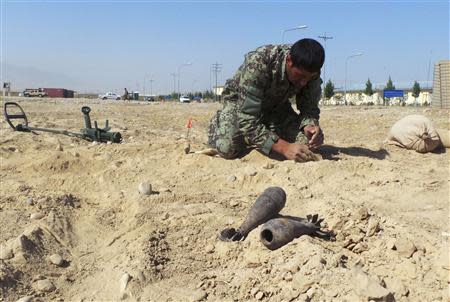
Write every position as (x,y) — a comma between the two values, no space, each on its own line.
(10,117)
(87,118)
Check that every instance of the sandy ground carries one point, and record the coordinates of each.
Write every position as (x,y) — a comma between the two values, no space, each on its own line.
(388,207)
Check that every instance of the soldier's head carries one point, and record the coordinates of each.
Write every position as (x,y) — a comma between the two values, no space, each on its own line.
(304,61)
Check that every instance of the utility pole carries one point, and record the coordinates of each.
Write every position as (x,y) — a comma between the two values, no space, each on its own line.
(143,93)
(192,88)
(345,85)
(210,79)
(428,74)
(174,75)
(151,86)
(179,68)
(216,68)
(325,38)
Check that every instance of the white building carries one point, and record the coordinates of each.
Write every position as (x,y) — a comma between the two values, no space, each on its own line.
(217,90)
(360,99)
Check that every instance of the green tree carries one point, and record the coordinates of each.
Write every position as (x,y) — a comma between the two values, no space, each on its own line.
(416,89)
(389,85)
(369,90)
(329,90)
(208,94)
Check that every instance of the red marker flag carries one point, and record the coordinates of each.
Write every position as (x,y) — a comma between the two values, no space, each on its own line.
(189,124)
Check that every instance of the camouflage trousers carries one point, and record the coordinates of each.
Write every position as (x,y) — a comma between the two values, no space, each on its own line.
(225,136)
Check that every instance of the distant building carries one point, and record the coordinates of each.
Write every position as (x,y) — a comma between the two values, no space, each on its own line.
(441,84)
(218,90)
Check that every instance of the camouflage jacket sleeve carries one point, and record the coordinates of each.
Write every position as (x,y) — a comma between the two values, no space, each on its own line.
(308,103)
(253,81)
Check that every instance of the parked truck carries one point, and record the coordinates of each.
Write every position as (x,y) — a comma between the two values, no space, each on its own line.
(34,92)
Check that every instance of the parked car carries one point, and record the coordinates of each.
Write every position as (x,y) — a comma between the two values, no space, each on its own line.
(34,92)
(197,99)
(109,96)
(185,99)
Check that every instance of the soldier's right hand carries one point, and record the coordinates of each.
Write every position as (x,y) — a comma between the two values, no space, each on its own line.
(299,153)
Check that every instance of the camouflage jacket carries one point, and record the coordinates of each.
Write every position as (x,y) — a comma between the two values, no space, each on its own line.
(260,86)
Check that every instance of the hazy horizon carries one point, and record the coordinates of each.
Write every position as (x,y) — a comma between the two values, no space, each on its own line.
(108,45)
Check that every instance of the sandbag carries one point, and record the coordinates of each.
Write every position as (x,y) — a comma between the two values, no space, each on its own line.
(444,135)
(414,132)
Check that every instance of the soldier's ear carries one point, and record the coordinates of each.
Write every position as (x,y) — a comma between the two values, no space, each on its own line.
(288,59)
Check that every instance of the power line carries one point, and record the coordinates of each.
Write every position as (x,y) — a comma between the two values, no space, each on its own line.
(151,86)
(428,74)
(210,78)
(174,75)
(216,68)
(325,38)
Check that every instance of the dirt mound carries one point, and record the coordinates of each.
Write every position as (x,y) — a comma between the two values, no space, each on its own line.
(75,226)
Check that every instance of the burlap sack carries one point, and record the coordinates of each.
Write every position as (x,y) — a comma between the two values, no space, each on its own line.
(414,132)
(444,135)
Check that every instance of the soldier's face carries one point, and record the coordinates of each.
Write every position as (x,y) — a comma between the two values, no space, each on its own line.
(298,76)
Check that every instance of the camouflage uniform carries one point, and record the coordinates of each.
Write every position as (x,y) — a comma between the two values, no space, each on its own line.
(257,111)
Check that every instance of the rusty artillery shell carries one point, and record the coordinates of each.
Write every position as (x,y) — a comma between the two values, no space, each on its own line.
(266,207)
(279,231)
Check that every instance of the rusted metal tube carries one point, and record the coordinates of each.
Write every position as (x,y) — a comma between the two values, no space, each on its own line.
(279,231)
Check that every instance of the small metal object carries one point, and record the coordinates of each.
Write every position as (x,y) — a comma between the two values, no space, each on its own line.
(87,119)
(187,148)
(98,134)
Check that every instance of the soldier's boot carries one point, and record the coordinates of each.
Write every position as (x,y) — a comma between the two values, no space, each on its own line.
(228,149)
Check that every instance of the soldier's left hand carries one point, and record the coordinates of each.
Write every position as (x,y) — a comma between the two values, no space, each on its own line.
(314,135)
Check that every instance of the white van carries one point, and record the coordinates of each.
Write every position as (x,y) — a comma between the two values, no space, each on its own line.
(184,99)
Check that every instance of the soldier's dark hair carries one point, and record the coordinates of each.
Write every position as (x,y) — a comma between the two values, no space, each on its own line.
(308,54)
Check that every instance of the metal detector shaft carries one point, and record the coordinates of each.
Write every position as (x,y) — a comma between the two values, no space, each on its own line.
(65,132)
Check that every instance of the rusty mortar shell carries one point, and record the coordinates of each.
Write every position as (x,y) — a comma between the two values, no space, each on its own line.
(278,232)
(266,207)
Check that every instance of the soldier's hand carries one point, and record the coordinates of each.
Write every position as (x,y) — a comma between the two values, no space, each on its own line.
(299,153)
(314,135)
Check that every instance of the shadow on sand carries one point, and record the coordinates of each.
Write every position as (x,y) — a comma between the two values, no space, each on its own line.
(331,152)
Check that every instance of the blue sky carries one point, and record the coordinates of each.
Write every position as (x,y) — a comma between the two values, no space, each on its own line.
(102,46)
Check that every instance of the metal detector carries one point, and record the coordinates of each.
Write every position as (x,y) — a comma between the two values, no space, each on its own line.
(88,133)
